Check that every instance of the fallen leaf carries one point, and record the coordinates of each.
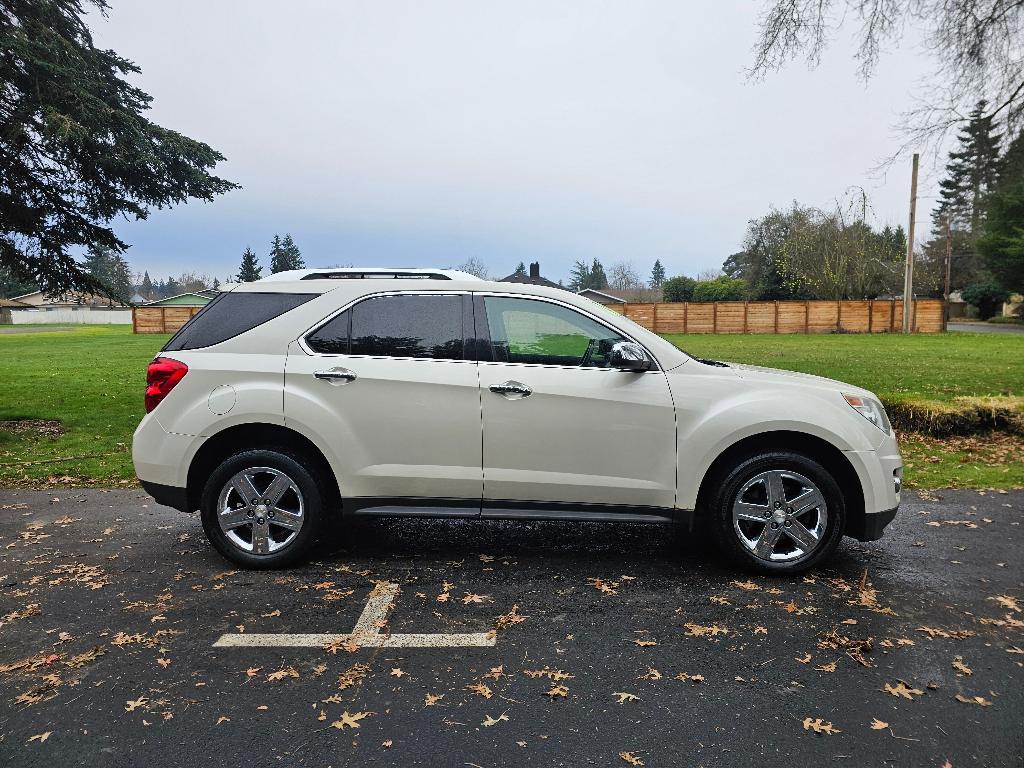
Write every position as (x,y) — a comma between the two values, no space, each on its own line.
(689,678)
(624,697)
(495,720)
(878,725)
(474,598)
(820,726)
(981,702)
(631,758)
(1007,601)
(398,672)
(509,619)
(651,674)
(955,634)
(350,720)
(557,690)
(698,630)
(902,690)
(605,587)
(830,667)
(164,662)
(480,689)
(432,699)
(645,643)
(272,614)
(960,666)
(282,673)
(551,674)
(352,675)
(131,706)
(40,737)
(223,719)
(805,660)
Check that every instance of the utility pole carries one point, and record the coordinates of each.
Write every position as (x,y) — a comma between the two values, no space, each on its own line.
(908,279)
(949,260)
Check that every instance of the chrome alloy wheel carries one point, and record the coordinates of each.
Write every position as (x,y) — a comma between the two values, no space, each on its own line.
(260,510)
(780,516)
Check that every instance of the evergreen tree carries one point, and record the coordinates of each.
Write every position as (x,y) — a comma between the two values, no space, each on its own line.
(160,290)
(579,276)
(172,287)
(598,280)
(520,270)
(120,277)
(657,274)
(971,173)
(99,265)
(77,150)
(1002,244)
(11,286)
(146,289)
(216,284)
(292,254)
(250,269)
(276,256)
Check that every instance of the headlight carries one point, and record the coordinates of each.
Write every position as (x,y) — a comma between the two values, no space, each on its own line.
(870,409)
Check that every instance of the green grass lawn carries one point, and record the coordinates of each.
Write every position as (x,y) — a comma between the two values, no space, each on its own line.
(91,380)
(926,366)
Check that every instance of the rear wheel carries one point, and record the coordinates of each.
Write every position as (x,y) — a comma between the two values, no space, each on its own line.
(262,509)
(778,512)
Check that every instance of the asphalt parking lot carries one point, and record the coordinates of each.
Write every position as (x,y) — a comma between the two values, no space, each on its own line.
(588,644)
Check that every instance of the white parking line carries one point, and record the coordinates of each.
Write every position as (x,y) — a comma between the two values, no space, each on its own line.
(367,632)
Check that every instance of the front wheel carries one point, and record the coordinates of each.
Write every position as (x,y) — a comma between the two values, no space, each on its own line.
(778,512)
(262,509)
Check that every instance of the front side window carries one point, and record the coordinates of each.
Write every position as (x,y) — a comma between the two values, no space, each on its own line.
(530,331)
(395,326)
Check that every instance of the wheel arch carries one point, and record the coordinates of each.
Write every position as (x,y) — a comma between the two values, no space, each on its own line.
(219,446)
(813,447)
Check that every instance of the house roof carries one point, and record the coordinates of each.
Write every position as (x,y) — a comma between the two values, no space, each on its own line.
(531,278)
(12,303)
(588,292)
(181,299)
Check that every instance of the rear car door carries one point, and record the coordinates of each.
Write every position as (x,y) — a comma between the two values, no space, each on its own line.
(388,386)
(559,425)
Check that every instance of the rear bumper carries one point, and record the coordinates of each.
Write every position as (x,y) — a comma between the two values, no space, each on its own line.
(167,495)
(869,527)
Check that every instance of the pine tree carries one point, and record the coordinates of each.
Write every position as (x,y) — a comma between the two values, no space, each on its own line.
(120,277)
(250,269)
(1002,244)
(657,274)
(579,276)
(172,288)
(292,254)
(276,256)
(520,270)
(216,284)
(971,174)
(146,289)
(598,280)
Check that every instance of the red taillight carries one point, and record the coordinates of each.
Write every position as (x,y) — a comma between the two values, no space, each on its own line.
(161,377)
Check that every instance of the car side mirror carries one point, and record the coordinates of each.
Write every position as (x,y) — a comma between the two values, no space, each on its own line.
(627,356)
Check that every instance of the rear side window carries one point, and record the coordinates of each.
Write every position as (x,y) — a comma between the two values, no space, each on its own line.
(396,326)
(231,314)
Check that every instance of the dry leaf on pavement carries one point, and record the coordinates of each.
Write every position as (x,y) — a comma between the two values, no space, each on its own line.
(901,689)
(624,697)
(495,720)
(820,726)
(980,701)
(349,720)
(631,758)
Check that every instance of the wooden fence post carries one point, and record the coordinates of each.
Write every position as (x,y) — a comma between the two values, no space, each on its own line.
(807,317)
(839,315)
(871,315)
(686,312)
(714,317)
(745,304)
(654,318)
(776,316)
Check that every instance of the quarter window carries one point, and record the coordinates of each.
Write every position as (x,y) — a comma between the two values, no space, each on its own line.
(396,326)
(528,331)
(231,314)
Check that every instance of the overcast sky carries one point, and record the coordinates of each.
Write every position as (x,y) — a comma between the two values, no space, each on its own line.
(423,133)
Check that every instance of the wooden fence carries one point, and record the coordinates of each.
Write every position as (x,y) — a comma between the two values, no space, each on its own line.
(866,316)
(160,319)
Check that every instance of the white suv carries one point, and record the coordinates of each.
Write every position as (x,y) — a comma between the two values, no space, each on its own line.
(429,393)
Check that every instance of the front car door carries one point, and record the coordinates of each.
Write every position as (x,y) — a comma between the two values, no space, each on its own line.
(561,427)
(388,385)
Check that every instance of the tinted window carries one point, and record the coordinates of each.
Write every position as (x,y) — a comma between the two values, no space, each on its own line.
(332,337)
(397,326)
(230,314)
(527,331)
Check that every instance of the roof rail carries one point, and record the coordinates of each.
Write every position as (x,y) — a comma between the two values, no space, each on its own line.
(370,273)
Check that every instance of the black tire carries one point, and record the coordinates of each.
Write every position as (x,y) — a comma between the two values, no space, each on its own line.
(730,541)
(296,468)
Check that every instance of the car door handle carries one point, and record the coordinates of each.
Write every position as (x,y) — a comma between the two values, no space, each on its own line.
(335,375)
(511,388)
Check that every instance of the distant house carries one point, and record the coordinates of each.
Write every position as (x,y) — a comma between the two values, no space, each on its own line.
(533,278)
(68,300)
(191,299)
(601,297)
